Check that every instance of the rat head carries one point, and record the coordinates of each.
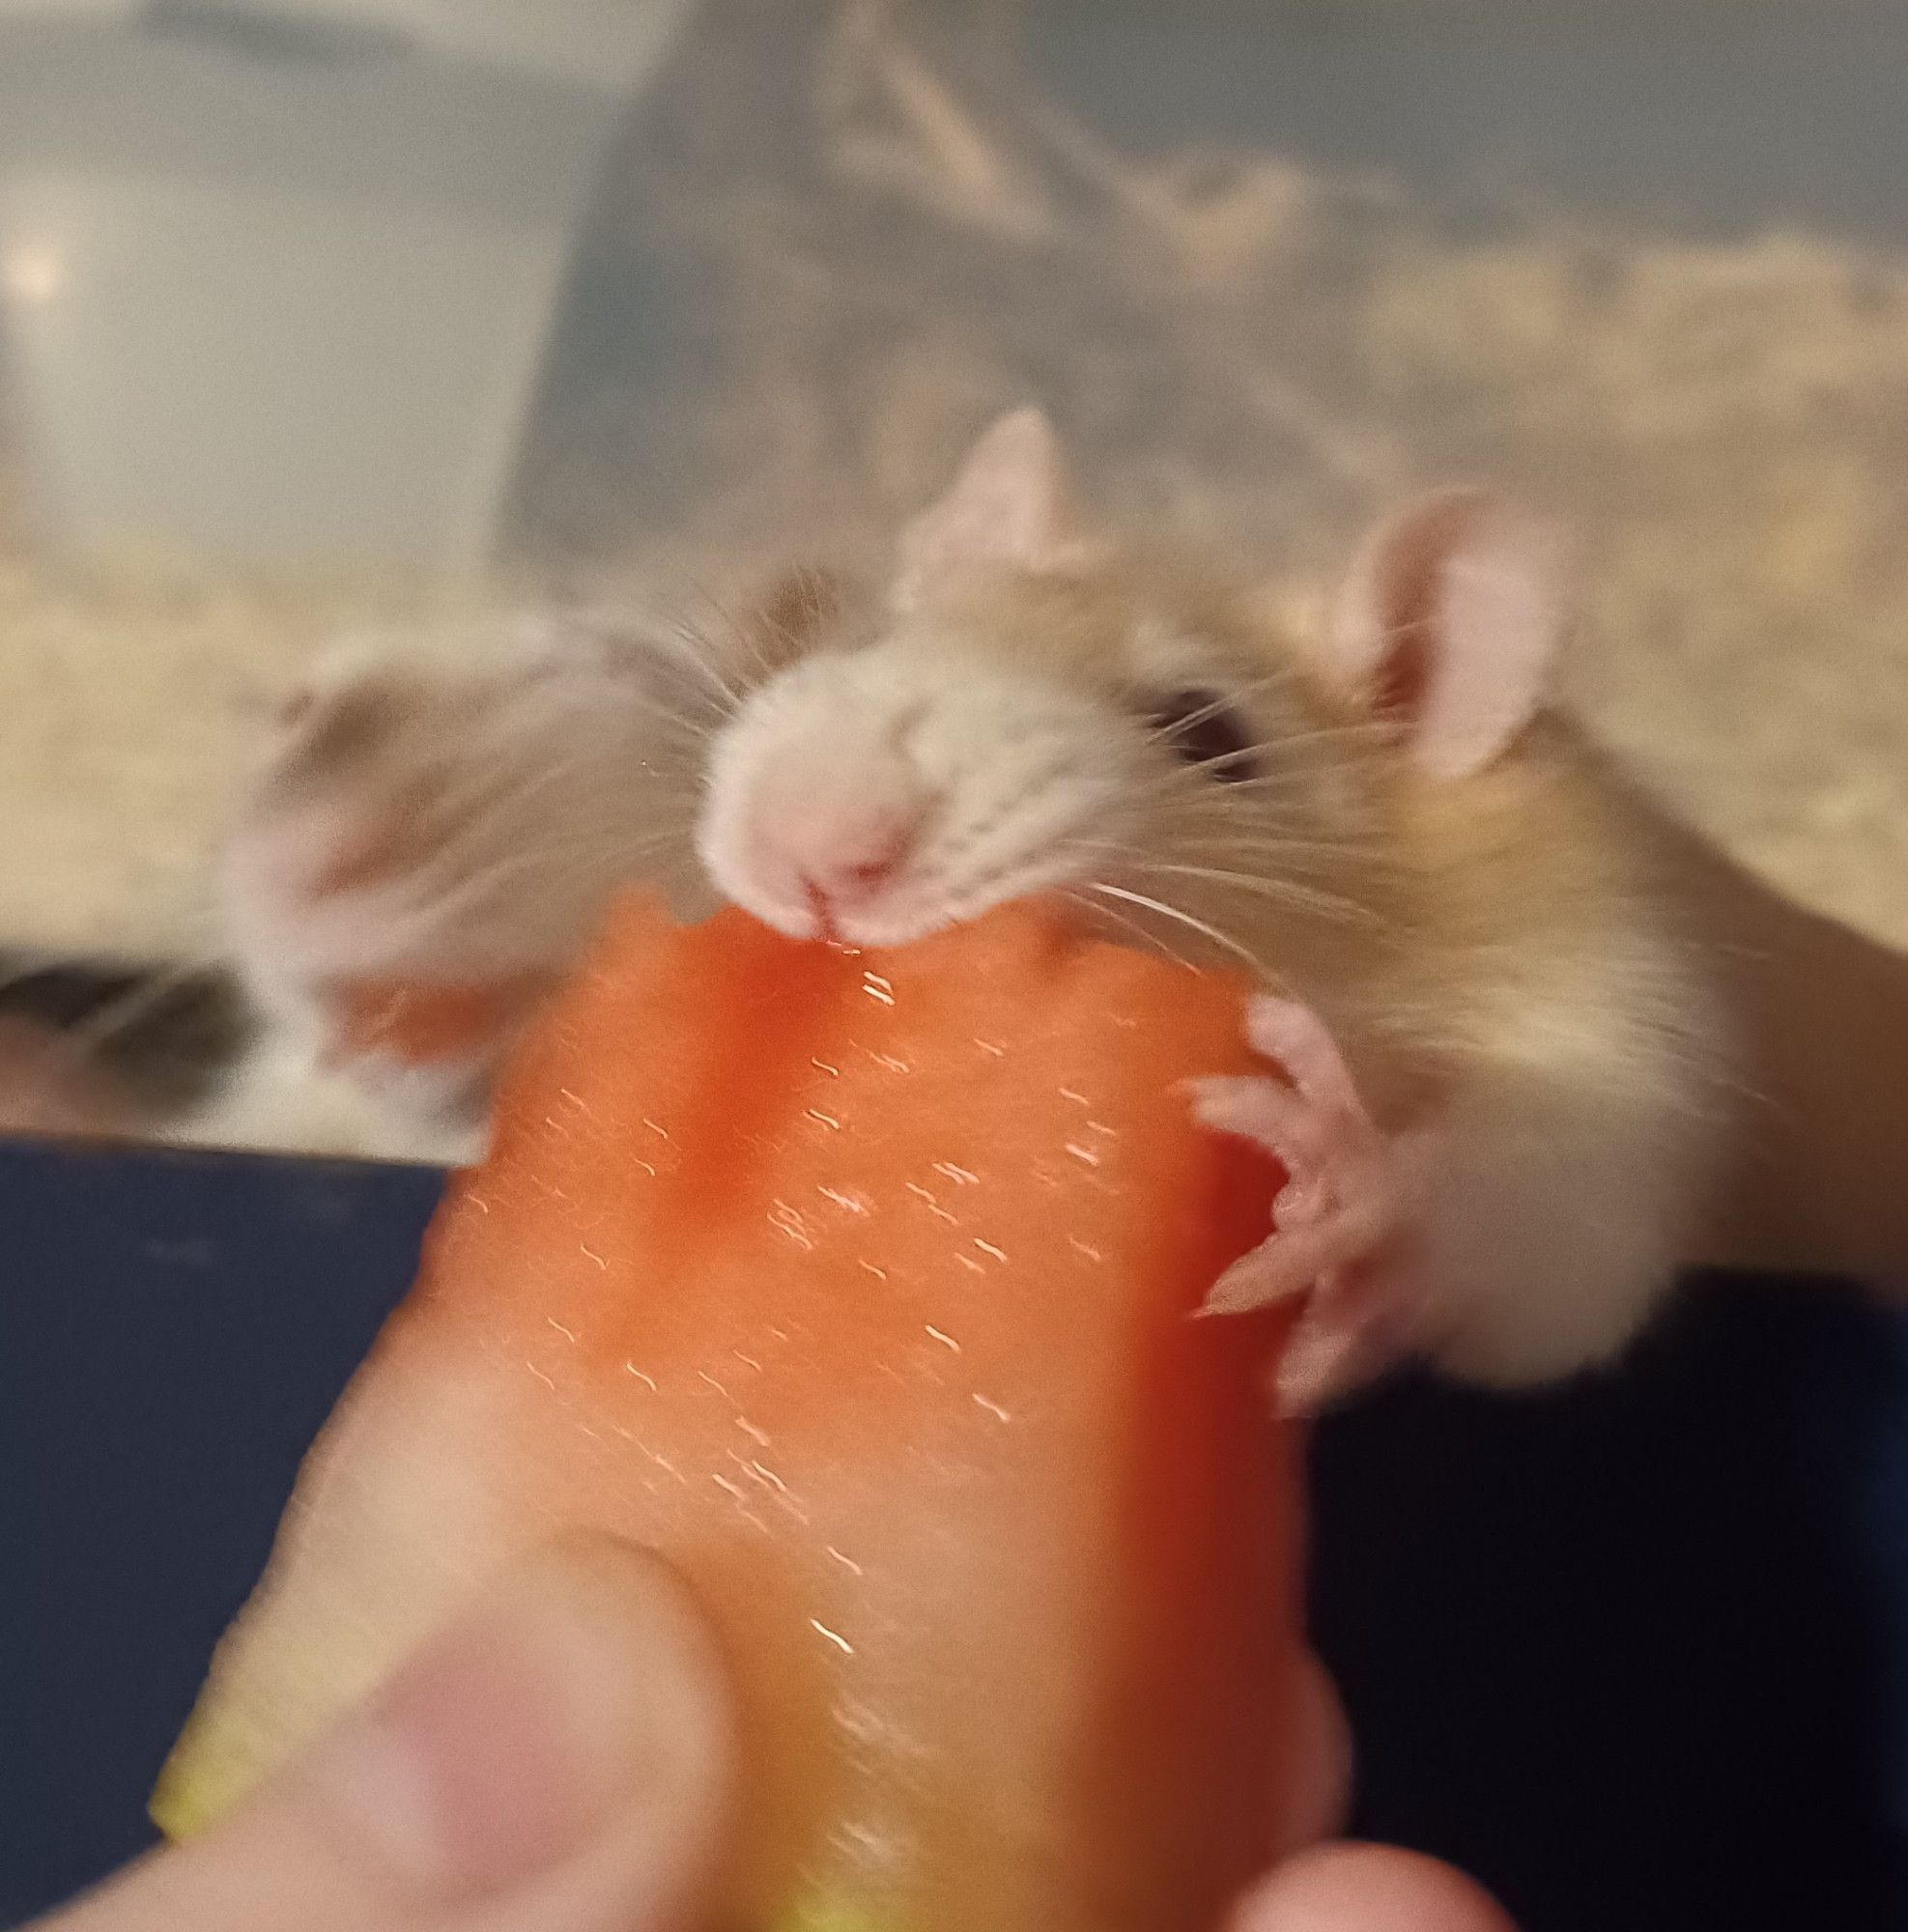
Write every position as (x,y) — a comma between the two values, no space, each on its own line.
(1036,715)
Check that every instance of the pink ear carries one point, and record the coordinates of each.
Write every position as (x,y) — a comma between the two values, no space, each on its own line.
(1450,622)
(1009,508)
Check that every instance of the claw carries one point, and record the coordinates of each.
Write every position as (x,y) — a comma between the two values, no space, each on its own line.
(1335,1216)
(1295,1038)
(1328,1353)
(1289,1263)
(1272,1117)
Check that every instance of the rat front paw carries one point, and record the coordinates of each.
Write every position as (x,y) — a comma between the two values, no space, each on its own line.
(1337,1216)
(1337,1207)
(455,826)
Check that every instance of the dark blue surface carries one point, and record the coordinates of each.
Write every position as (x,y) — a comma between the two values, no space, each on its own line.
(1628,1653)
(173,1329)
(1631,1652)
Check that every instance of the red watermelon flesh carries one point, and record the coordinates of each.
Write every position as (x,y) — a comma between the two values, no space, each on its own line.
(860,1286)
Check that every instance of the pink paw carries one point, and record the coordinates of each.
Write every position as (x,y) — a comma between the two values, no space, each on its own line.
(1337,1214)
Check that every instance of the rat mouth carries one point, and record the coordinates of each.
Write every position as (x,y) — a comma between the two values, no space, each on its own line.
(914,909)
(894,919)
(869,871)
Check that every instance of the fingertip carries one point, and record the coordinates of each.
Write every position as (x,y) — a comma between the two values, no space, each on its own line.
(561,1755)
(583,1690)
(1317,1782)
(1352,1888)
(684,1707)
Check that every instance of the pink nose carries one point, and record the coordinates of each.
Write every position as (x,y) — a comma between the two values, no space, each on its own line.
(836,833)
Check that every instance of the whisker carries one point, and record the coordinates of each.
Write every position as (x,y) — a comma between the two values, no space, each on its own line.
(1216,763)
(1151,939)
(120,1013)
(690,648)
(1223,940)
(1276,752)
(680,725)
(485,794)
(729,625)
(474,815)
(1264,787)
(1238,693)
(458,892)
(670,647)
(1371,855)
(1285,891)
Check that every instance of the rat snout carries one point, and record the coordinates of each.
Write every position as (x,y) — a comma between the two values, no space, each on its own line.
(878,796)
(823,837)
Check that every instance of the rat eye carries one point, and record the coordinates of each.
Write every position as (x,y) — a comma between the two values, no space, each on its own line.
(1204,730)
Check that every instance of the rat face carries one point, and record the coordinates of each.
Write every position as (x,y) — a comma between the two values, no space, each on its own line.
(1076,731)
(1034,716)
(1030,716)
(878,794)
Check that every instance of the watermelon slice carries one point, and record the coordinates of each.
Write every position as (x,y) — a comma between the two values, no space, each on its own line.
(858,1284)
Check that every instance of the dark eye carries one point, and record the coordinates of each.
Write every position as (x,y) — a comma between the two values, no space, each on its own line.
(1202,730)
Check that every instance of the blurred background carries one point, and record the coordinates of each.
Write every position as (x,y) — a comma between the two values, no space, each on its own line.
(323,312)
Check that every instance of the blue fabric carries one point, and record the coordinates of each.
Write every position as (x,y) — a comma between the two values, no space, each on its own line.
(1635,1654)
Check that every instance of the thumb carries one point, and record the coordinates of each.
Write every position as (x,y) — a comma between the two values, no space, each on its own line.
(559,1760)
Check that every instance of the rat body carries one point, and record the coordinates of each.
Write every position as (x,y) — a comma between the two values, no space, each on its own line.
(1504,1070)
(1497,1070)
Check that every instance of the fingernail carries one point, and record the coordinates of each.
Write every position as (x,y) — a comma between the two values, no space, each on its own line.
(581,1689)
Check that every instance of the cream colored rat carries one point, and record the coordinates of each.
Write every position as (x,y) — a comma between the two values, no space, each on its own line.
(1502,1079)
(1501,1073)
(1497,1072)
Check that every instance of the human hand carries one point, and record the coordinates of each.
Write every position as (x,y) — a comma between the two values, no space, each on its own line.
(562,1760)
(559,1760)
(1345,1887)
(1321,1884)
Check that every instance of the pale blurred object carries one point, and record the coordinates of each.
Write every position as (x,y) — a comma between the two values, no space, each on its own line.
(278,276)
